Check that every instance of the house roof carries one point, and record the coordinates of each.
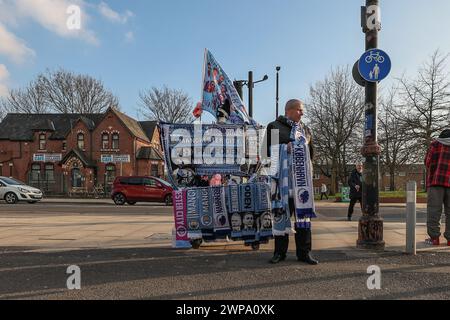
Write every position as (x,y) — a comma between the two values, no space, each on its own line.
(149,153)
(80,155)
(149,127)
(21,127)
(133,125)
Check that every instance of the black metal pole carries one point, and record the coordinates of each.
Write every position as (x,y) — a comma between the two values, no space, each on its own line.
(370,229)
(278,92)
(250,93)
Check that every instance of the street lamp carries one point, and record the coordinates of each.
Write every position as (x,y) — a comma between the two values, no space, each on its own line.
(250,84)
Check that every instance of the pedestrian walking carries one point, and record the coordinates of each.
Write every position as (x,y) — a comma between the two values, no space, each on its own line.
(323,191)
(437,162)
(355,189)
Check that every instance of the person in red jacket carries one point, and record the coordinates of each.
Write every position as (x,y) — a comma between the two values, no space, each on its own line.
(437,162)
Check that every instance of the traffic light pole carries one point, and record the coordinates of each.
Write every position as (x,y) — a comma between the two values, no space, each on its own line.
(370,228)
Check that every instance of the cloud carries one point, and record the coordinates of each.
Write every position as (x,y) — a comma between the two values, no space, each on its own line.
(13,47)
(114,16)
(4,76)
(53,15)
(129,36)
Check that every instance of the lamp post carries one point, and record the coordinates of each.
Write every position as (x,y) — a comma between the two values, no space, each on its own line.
(238,84)
(370,228)
(277,96)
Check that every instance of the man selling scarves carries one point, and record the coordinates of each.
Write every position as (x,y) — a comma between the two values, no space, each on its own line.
(293,193)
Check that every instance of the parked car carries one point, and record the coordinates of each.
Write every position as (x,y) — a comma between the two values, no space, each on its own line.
(141,189)
(12,191)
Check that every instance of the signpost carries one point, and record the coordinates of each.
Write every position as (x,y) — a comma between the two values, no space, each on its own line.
(373,67)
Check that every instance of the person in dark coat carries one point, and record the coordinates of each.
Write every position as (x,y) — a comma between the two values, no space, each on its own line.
(294,111)
(355,189)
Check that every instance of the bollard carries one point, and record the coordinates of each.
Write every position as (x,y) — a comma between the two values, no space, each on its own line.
(411,193)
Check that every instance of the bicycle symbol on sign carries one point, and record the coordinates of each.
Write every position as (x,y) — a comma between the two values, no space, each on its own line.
(375,56)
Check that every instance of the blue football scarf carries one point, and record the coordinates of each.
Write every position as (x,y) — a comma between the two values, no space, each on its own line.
(280,191)
(206,214)
(192,214)
(302,182)
(219,209)
(247,197)
(262,197)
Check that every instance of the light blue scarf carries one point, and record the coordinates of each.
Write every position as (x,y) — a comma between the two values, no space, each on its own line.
(280,191)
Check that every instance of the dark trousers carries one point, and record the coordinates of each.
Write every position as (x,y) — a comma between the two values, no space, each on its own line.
(303,243)
(323,194)
(303,239)
(352,205)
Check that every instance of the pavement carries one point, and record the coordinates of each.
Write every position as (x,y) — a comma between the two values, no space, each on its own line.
(125,253)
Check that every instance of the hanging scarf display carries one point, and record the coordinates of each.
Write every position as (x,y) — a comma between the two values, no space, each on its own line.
(179,213)
(265,229)
(220,215)
(280,192)
(247,198)
(302,181)
(232,196)
(192,214)
(262,203)
(205,213)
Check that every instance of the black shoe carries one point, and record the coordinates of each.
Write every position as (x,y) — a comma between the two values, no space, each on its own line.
(349,218)
(308,259)
(277,258)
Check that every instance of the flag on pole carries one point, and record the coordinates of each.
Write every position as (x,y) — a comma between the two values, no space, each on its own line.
(217,89)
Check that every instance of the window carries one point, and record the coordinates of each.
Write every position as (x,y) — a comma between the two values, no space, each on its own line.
(402,174)
(149,182)
(49,172)
(64,146)
(35,172)
(316,176)
(317,190)
(115,141)
(105,141)
(80,141)
(154,170)
(135,181)
(110,173)
(42,141)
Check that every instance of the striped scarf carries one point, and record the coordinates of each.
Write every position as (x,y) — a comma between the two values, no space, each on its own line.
(301,183)
(280,191)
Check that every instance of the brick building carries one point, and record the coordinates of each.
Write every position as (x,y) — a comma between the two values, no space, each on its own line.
(67,153)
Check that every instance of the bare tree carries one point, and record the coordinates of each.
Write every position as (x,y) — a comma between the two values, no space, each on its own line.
(63,92)
(334,109)
(394,138)
(425,107)
(168,105)
(67,92)
(30,99)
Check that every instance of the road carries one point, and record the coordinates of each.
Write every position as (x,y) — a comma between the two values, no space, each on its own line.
(393,213)
(156,273)
(39,242)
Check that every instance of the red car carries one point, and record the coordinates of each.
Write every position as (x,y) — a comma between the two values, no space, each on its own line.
(141,189)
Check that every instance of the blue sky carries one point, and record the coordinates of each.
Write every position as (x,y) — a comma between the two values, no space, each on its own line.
(133,45)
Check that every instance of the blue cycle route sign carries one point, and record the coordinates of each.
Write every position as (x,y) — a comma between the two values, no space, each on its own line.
(374,65)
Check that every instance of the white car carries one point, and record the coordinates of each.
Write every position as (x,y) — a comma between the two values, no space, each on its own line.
(12,191)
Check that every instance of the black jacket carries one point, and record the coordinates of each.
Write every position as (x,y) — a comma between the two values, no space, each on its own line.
(354,180)
(285,129)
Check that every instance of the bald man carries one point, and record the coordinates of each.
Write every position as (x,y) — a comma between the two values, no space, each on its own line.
(294,111)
